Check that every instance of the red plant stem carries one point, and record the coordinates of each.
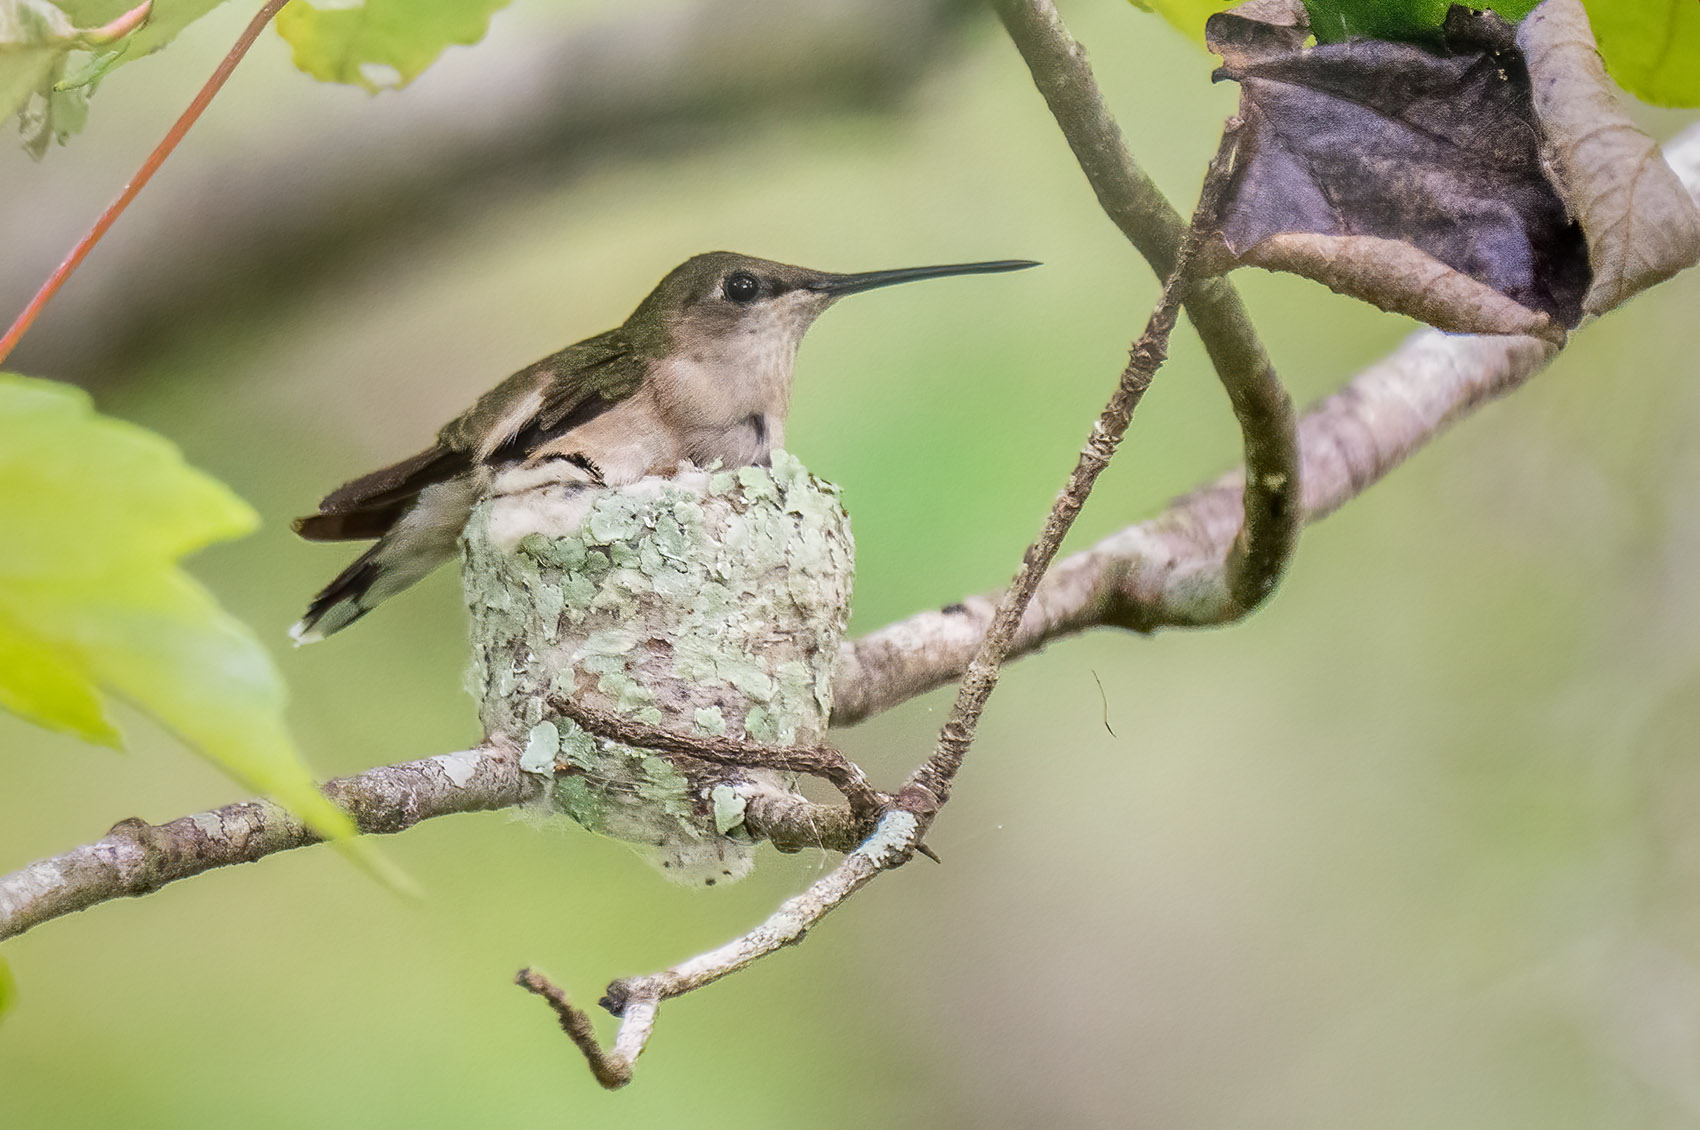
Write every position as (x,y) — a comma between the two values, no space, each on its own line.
(143,175)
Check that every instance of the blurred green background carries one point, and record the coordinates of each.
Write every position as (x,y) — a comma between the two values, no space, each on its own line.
(1414,847)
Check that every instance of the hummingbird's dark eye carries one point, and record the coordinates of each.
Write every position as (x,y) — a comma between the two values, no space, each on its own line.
(741,286)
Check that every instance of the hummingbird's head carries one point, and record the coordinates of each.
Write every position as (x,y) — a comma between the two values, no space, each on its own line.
(720,296)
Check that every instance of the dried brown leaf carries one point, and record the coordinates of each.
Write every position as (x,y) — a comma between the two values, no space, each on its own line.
(1412,178)
(1641,224)
(1396,276)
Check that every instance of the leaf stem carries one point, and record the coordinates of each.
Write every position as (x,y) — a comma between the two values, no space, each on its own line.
(143,175)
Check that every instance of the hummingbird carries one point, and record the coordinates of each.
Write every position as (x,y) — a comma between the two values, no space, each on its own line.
(700,373)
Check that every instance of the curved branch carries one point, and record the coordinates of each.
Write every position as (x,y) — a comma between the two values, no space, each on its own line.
(1168,572)
(1253,561)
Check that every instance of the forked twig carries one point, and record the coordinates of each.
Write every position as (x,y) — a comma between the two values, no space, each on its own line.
(636,999)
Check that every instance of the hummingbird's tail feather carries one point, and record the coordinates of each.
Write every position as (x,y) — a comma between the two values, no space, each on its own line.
(341,602)
(423,538)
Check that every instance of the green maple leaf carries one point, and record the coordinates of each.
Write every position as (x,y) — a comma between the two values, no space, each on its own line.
(96,514)
(165,19)
(1651,47)
(1186,16)
(381,43)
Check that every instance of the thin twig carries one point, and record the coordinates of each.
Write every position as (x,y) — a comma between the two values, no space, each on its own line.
(613,1068)
(1255,560)
(819,761)
(928,788)
(143,175)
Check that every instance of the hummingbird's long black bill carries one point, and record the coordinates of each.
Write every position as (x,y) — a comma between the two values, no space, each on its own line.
(868,280)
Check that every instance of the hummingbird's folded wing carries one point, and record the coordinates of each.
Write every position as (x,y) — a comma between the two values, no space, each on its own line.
(534,405)
(368,506)
(550,399)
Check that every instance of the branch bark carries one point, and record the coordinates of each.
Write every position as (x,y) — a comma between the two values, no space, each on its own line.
(136,858)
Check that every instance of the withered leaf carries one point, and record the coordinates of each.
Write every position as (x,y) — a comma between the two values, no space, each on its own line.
(1642,225)
(1409,177)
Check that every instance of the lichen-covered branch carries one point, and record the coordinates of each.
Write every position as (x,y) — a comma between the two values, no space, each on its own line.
(1254,560)
(137,858)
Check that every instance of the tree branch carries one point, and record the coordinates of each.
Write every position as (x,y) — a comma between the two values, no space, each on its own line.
(1174,570)
(136,858)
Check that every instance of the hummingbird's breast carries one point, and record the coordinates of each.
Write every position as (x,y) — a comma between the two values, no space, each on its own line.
(726,393)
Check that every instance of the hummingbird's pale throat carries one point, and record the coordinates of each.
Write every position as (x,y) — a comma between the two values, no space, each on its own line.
(701,372)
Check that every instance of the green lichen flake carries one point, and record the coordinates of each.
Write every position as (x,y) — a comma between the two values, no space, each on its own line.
(541,746)
(728,807)
(707,603)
